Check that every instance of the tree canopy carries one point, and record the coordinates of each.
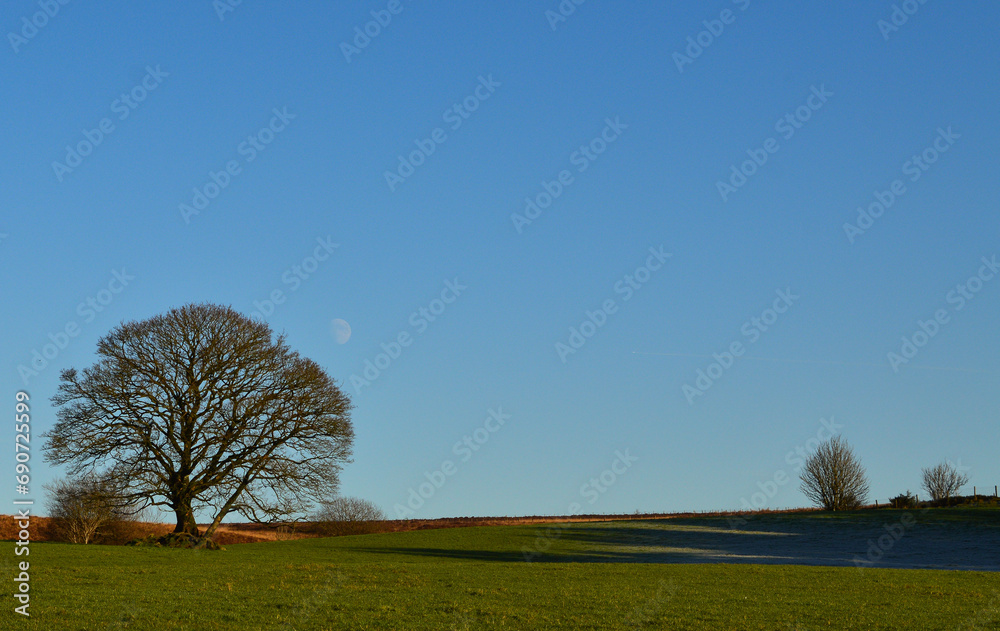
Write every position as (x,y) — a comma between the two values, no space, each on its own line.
(203,408)
(943,480)
(834,478)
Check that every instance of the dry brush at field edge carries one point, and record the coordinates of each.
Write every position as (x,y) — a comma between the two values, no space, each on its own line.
(42,528)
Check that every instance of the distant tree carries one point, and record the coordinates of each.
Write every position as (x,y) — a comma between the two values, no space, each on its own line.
(347,516)
(84,506)
(834,477)
(943,480)
(203,408)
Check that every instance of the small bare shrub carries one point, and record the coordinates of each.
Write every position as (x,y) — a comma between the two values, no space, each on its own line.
(88,509)
(904,500)
(348,516)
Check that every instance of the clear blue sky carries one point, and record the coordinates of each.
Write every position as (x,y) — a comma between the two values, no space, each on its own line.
(864,101)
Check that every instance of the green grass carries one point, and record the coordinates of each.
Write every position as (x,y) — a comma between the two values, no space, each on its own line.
(475,578)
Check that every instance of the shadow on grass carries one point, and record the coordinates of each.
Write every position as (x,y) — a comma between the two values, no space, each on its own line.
(886,539)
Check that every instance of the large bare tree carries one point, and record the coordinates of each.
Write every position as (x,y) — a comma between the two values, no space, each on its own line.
(943,480)
(834,477)
(203,408)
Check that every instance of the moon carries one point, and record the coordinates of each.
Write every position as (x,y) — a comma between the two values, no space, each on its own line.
(341,330)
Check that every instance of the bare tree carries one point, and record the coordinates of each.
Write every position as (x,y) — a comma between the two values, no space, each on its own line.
(84,506)
(943,480)
(834,477)
(203,408)
(348,516)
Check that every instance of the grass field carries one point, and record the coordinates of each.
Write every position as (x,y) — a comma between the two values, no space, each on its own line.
(602,575)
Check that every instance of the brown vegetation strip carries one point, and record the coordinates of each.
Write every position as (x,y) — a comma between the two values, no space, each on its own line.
(41,528)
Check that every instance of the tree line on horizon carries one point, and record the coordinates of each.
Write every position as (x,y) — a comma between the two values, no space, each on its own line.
(834,479)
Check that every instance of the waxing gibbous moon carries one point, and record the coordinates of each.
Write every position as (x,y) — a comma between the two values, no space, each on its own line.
(341,330)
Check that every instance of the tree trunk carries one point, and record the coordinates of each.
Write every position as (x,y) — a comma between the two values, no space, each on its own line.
(224,511)
(185,519)
(213,526)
